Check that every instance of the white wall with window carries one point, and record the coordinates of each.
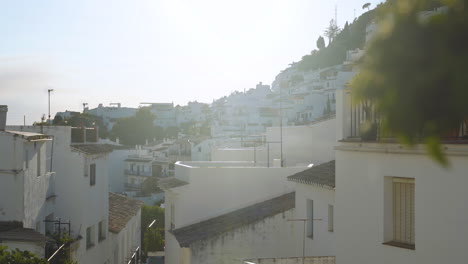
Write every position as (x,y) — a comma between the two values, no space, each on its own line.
(400,205)
(313,203)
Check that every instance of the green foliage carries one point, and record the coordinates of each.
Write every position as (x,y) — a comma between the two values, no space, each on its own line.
(351,37)
(331,31)
(83,119)
(63,256)
(135,130)
(150,186)
(17,256)
(320,43)
(171,132)
(152,237)
(153,240)
(415,72)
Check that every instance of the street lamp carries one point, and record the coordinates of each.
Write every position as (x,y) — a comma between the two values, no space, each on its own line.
(48,91)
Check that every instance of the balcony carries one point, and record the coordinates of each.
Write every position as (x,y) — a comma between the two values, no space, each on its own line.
(362,115)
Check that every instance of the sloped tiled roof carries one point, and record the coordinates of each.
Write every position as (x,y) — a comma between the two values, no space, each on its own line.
(322,175)
(170,182)
(91,149)
(233,220)
(14,231)
(121,210)
(30,136)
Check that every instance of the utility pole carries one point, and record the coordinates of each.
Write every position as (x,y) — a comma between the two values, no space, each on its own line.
(48,91)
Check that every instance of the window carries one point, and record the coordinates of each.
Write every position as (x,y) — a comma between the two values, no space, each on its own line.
(310,218)
(101,230)
(38,162)
(90,237)
(403,210)
(400,212)
(26,158)
(92,174)
(330,218)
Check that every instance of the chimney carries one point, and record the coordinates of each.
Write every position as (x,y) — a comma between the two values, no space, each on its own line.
(3,116)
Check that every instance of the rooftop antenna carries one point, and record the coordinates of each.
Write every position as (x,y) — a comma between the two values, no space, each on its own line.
(84,106)
(336,14)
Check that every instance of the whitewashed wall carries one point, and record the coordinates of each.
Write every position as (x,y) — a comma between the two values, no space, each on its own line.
(23,195)
(123,244)
(271,237)
(304,144)
(213,191)
(323,242)
(117,166)
(441,204)
(77,201)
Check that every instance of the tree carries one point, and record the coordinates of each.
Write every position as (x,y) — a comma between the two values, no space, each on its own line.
(150,186)
(366,5)
(415,73)
(331,31)
(135,130)
(17,256)
(320,43)
(152,237)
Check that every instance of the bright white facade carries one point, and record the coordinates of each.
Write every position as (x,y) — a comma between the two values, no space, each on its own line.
(234,186)
(124,228)
(365,175)
(26,190)
(315,203)
(81,186)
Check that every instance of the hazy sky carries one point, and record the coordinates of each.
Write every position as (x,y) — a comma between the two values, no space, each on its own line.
(132,51)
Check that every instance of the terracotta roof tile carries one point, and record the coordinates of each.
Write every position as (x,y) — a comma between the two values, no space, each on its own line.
(233,220)
(170,182)
(322,175)
(121,210)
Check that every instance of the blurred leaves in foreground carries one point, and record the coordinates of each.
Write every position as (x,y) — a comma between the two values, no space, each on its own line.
(415,71)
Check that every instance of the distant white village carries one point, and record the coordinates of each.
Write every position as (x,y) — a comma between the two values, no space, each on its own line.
(285,177)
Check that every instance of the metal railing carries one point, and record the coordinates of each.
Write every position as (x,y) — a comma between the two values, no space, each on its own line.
(364,117)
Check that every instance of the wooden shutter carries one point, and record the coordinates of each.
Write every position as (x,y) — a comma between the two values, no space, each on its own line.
(403,210)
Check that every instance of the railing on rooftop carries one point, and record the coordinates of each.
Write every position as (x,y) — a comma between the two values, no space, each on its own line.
(84,134)
(365,124)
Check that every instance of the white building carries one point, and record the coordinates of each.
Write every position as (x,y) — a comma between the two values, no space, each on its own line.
(81,187)
(124,229)
(399,204)
(110,114)
(315,202)
(236,186)
(27,194)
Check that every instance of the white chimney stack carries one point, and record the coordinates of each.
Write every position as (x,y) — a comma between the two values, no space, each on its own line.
(3,116)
